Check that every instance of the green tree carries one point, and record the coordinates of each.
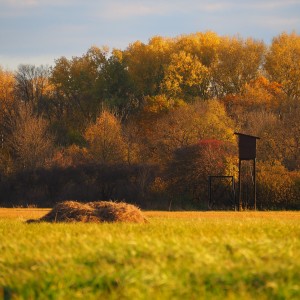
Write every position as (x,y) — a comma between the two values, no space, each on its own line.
(79,86)
(117,86)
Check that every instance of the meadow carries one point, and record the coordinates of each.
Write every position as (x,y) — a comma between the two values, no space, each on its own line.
(176,255)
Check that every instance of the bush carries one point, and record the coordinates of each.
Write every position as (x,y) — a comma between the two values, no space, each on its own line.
(45,187)
(274,185)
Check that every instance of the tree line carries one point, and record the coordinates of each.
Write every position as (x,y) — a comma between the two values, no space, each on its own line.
(157,118)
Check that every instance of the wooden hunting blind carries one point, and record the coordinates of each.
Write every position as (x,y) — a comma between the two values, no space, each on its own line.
(247,146)
(247,151)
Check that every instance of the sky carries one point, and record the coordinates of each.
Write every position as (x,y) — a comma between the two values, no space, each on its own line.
(40,31)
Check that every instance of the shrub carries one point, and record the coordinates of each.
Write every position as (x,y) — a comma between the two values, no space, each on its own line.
(45,187)
(274,185)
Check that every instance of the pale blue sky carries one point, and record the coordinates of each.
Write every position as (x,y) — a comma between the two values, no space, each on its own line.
(39,31)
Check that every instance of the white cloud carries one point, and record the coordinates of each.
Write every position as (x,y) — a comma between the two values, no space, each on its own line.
(126,9)
(19,2)
(271,4)
(212,7)
(123,11)
(30,3)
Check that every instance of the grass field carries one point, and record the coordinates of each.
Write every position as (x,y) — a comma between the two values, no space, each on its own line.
(187,255)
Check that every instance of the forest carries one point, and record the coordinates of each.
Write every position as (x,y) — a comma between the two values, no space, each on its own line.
(149,124)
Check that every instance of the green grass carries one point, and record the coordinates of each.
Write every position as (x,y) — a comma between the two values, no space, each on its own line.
(174,256)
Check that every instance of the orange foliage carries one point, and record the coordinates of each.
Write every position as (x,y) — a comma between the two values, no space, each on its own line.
(106,143)
(160,104)
(7,83)
(261,92)
(71,156)
(257,93)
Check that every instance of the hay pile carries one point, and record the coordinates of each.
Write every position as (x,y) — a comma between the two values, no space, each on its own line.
(98,212)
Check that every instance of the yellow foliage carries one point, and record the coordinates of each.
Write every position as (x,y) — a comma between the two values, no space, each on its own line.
(158,44)
(238,62)
(262,93)
(160,103)
(202,45)
(106,144)
(274,182)
(185,74)
(118,54)
(283,62)
(185,126)
(216,123)
(160,60)
(7,82)
(145,63)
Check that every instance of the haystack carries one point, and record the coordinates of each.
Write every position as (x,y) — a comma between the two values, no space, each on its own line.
(98,212)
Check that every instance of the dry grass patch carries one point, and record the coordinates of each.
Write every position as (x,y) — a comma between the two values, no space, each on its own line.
(34,213)
(22,213)
(97,212)
(229,215)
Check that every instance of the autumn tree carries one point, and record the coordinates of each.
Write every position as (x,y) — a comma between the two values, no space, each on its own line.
(185,125)
(156,67)
(79,85)
(71,156)
(268,127)
(7,106)
(145,64)
(203,45)
(261,94)
(154,106)
(104,138)
(283,63)
(275,185)
(257,97)
(7,85)
(238,62)
(291,134)
(30,142)
(185,76)
(279,134)
(32,85)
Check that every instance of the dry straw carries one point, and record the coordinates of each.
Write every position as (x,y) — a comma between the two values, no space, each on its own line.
(97,212)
